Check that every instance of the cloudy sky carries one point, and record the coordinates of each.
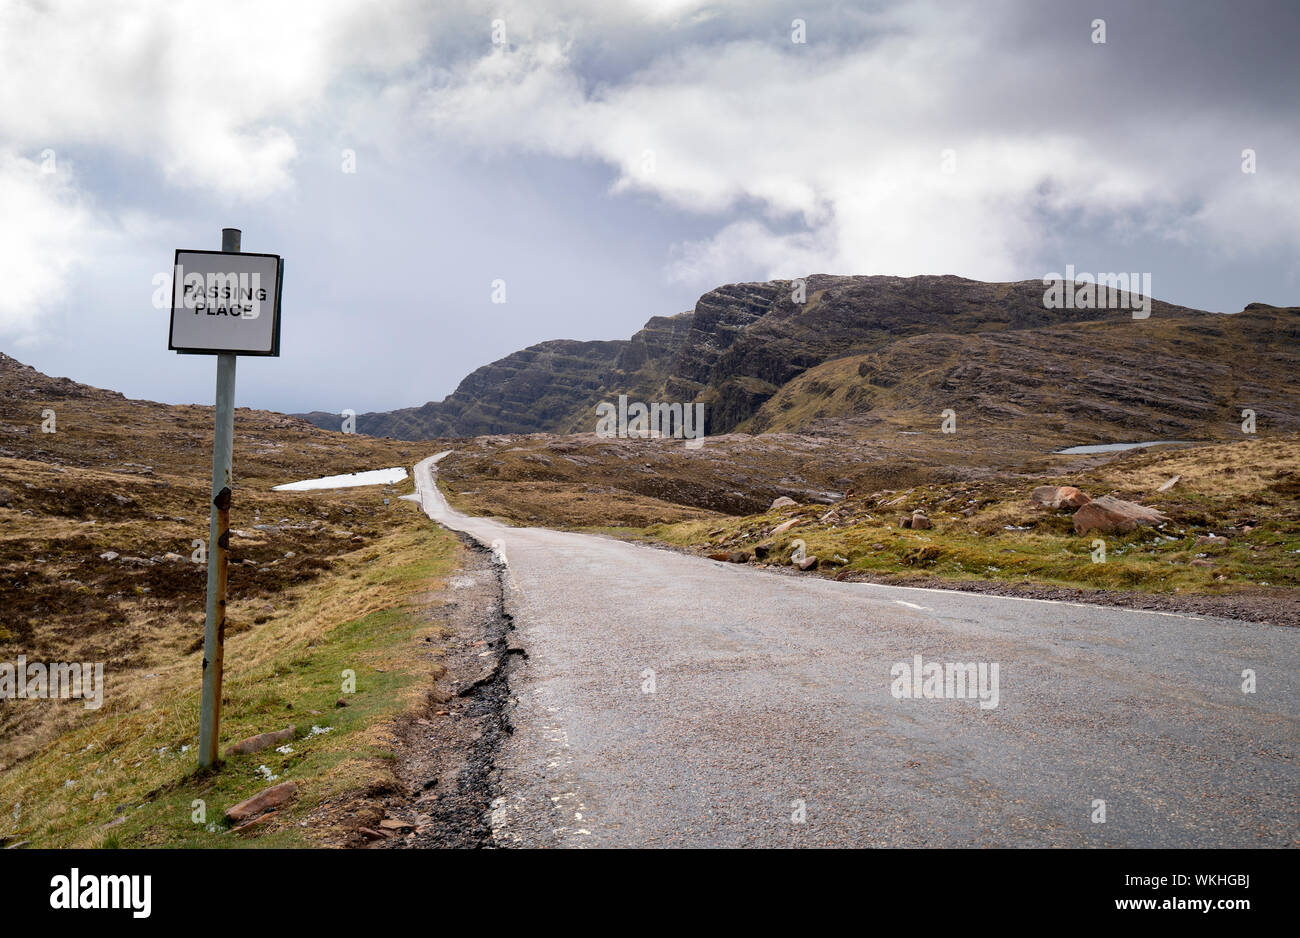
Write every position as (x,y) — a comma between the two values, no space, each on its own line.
(610,162)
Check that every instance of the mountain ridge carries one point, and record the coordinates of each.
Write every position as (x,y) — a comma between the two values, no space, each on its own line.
(739,346)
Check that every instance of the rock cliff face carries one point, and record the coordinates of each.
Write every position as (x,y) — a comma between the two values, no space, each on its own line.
(549,386)
(745,342)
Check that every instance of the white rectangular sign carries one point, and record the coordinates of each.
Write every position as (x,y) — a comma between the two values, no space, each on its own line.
(225,302)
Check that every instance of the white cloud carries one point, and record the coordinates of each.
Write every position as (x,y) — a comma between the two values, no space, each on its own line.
(48,230)
(212,93)
(841,144)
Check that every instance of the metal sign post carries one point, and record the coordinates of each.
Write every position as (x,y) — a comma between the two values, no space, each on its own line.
(219,302)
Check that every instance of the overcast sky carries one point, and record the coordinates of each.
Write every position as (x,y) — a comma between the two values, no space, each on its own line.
(610,162)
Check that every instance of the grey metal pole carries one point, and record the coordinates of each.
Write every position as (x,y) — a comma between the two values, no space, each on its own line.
(214,631)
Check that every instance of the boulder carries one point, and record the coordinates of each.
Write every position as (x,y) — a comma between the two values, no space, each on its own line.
(807,563)
(1110,515)
(920,522)
(261,741)
(786,525)
(732,556)
(263,801)
(905,521)
(783,502)
(1059,496)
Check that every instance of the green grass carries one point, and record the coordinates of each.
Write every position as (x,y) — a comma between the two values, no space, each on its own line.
(128,759)
(1142,560)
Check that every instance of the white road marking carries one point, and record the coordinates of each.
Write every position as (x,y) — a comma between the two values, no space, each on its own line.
(903,602)
(1029,599)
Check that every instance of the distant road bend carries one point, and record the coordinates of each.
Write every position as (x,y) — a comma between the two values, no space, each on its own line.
(669,700)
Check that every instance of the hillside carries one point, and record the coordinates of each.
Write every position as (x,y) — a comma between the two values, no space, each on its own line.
(550,386)
(1177,376)
(743,343)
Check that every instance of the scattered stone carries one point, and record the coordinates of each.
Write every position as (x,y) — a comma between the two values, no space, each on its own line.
(1198,562)
(340,702)
(124,500)
(807,563)
(920,521)
(1211,540)
(108,555)
(905,521)
(786,526)
(173,557)
(1109,515)
(1166,486)
(372,834)
(394,824)
(761,551)
(784,501)
(265,800)
(261,741)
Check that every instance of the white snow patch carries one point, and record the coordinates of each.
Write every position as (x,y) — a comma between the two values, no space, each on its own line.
(370,477)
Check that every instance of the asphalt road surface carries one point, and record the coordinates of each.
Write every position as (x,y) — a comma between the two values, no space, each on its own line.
(669,700)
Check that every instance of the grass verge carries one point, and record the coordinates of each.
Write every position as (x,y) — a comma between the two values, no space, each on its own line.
(128,777)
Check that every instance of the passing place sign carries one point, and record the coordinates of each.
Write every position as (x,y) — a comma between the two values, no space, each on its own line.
(226,303)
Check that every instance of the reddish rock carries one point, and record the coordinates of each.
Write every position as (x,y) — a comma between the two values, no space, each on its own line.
(1059,496)
(920,522)
(256,824)
(905,521)
(732,556)
(263,801)
(783,502)
(1110,515)
(786,525)
(260,742)
(807,563)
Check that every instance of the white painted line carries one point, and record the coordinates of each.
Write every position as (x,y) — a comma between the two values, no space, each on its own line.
(1028,599)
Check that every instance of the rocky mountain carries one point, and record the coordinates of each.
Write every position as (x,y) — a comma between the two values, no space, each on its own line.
(551,386)
(765,356)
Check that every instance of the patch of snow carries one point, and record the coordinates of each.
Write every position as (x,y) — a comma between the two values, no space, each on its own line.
(369,477)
